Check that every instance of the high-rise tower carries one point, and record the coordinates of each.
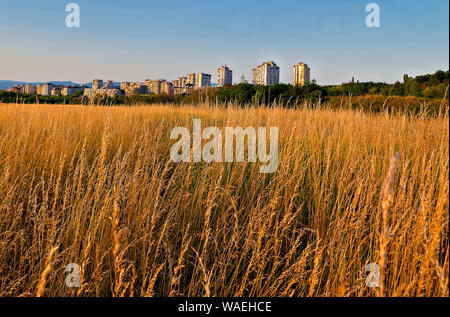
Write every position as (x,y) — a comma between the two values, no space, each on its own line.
(301,74)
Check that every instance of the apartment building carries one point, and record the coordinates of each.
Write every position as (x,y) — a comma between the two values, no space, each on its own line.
(191,79)
(183,81)
(224,76)
(70,90)
(47,89)
(202,80)
(102,92)
(17,89)
(29,89)
(266,74)
(182,90)
(56,91)
(134,88)
(97,84)
(180,82)
(176,83)
(167,88)
(109,85)
(44,89)
(99,87)
(301,74)
(154,86)
(124,85)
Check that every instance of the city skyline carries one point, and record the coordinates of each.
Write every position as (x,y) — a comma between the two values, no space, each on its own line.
(264,72)
(159,40)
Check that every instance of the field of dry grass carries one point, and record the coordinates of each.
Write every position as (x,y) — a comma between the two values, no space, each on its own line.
(95,186)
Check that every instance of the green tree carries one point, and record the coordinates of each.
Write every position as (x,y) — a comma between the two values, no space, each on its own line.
(414,89)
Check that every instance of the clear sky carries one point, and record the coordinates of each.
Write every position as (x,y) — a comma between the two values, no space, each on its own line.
(139,39)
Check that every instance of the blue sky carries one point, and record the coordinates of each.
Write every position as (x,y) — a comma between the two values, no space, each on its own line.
(140,39)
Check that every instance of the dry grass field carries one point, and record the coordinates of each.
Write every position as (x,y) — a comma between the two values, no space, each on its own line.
(95,186)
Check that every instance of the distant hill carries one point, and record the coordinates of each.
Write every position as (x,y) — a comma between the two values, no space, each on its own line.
(5,84)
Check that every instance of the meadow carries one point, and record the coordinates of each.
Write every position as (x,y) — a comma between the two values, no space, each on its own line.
(95,186)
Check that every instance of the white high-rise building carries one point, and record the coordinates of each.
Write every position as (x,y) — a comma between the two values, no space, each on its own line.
(224,76)
(266,74)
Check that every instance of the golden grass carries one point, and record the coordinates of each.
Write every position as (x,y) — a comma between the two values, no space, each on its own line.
(95,186)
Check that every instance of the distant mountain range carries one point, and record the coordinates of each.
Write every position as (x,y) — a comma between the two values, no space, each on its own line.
(5,84)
